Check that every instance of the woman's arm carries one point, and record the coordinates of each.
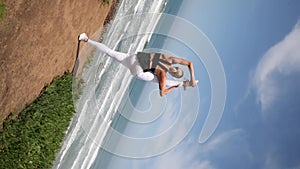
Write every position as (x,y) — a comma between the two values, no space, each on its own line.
(161,76)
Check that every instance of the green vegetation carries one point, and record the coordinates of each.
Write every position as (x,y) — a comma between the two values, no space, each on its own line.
(33,139)
(2,10)
(106,1)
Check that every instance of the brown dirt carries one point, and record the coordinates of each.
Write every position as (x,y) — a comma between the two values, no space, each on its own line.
(38,42)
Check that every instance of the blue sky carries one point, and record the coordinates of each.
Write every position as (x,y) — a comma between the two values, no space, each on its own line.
(258,43)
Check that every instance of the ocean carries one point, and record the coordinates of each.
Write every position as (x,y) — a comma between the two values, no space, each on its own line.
(105,94)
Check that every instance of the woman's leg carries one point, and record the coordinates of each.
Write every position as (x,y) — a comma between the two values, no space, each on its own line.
(103,48)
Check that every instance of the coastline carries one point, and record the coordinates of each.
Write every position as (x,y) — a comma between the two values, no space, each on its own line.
(24,125)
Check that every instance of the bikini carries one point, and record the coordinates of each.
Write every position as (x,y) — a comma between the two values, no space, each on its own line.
(149,65)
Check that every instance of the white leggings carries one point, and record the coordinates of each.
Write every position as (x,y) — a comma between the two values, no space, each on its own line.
(119,56)
(131,63)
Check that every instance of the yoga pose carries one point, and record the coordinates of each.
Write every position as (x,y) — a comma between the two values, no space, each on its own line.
(150,66)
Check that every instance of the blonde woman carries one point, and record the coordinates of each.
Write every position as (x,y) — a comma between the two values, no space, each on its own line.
(151,67)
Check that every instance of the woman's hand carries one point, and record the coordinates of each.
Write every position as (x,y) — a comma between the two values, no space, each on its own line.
(193,83)
(188,83)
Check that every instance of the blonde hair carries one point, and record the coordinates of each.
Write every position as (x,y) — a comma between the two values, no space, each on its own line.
(177,72)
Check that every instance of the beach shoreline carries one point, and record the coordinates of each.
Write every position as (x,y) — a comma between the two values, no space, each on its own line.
(50,112)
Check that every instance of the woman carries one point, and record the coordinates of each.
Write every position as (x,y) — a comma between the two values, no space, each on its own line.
(150,66)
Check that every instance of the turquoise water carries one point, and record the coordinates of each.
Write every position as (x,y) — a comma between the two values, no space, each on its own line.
(109,88)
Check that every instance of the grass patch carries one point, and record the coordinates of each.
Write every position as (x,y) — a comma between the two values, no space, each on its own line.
(106,1)
(33,139)
(2,10)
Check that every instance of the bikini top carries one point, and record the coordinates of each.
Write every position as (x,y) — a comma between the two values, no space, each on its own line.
(149,65)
